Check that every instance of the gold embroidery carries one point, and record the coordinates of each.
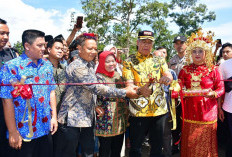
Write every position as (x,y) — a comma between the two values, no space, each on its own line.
(195,81)
(198,122)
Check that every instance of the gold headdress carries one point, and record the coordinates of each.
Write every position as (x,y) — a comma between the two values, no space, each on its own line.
(204,42)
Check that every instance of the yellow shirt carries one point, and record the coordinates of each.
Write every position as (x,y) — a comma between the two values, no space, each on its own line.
(138,68)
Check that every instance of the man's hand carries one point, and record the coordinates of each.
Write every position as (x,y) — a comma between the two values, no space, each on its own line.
(75,28)
(100,111)
(218,45)
(145,90)
(165,80)
(54,125)
(221,115)
(15,139)
(131,91)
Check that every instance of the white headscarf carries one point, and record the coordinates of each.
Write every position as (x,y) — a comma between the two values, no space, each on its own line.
(108,48)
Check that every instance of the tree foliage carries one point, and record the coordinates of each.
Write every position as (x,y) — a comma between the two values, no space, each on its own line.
(118,21)
(19,47)
(191,16)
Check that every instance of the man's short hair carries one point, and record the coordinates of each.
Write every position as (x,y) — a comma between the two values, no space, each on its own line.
(60,37)
(74,44)
(48,38)
(30,35)
(83,37)
(52,42)
(226,45)
(180,38)
(3,21)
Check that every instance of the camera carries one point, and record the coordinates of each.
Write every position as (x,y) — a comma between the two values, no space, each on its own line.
(123,50)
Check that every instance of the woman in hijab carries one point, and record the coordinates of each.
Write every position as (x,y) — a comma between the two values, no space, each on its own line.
(111,126)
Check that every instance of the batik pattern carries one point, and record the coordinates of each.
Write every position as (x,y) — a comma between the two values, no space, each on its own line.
(41,73)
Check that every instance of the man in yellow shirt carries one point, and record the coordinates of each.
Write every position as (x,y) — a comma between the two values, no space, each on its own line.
(149,114)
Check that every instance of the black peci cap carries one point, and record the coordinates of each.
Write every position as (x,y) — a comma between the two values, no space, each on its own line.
(146,35)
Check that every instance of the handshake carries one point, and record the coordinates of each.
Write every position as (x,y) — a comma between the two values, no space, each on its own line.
(134,92)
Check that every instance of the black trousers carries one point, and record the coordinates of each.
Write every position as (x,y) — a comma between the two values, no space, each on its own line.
(228,116)
(67,138)
(40,147)
(110,146)
(155,126)
(4,146)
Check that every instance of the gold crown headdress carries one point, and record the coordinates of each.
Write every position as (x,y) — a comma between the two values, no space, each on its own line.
(205,42)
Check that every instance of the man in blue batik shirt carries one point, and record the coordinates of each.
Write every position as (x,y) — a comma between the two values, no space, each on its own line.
(29,122)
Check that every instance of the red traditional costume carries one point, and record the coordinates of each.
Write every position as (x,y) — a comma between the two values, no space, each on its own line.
(198,138)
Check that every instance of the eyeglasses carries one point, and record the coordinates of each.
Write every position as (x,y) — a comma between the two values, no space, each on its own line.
(90,36)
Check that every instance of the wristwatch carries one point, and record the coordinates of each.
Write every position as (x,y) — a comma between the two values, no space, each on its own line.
(138,92)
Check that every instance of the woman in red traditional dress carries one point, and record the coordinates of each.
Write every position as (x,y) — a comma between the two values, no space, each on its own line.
(202,86)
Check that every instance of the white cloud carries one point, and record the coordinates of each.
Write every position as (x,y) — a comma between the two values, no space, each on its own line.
(222,31)
(21,16)
(217,4)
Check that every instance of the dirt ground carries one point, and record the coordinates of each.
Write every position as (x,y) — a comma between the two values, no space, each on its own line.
(146,150)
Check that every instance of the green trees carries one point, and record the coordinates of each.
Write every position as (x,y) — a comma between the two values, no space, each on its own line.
(19,47)
(118,21)
(191,15)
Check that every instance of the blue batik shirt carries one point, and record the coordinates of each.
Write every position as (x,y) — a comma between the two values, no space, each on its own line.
(42,73)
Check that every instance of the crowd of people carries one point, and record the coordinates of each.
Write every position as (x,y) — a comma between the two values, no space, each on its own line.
(64,98)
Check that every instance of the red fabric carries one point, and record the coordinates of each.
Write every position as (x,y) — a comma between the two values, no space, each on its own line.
(118,61)
(201,108)
(101,66)
(199,140)
(174,95)
(22,90)
(89,34)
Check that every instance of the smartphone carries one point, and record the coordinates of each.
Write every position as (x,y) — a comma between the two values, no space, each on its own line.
(79,22)
(219,41)
(124,50)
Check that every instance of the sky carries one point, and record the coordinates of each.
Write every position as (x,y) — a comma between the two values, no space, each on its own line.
(54,17)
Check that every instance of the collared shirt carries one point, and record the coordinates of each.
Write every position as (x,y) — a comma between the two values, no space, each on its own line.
(77,108)
(176,63)
(138,68)
(59,76)
(40,115)
(64,62)
(4,57)
(226,72)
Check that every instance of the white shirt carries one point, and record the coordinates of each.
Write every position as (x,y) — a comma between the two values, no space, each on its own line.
(226,70)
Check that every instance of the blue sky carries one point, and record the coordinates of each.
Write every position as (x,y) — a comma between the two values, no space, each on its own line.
(61,5)
(53,17)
